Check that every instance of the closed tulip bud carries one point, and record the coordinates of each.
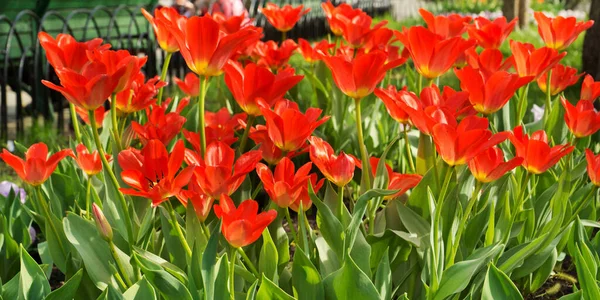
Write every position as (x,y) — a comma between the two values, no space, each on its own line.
(102,224)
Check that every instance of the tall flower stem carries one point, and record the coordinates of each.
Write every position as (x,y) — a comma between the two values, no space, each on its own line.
(288,218)
(163,76)
(518,206)
(201,129)
(408,150)
(115,122)
(113,178)
(48,216)
(120,267)
(180,234)
(248,262)
(205,230)
(522,104)
(548,102)
(75,122)
(340,195)
(88,193)
(283,36)
(436,232)
(244,139)
(232,273)
(361,145)
(463,223)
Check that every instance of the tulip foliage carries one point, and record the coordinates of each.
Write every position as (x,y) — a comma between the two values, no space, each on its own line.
(355,173)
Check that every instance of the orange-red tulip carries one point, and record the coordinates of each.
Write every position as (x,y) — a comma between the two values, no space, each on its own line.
(396,181)
(190,85)
(243,225)
(431,54)
(283,18)
(491,34)
(489,165)
(66,52)
(100,113)
(422,116)
(153,173)
(311,54)
(458,145)
(114,62)
(590,89)
(593,166)
(139,95)
(37,166)
(200,201)
(389,97)
(273,56)
(488,95)
(583,120)
(206,48)
(357,30)
(165,17)
(537,154)
(214,171)
(445,26)
(558,33)
(379,39)
(336,25)
(488,62)
(232,24)
(251,83)
(220,126)
(456,102)
(270,153)
(289,128)
(561,78)
(531,62)
(358,78)
(90,163)
(161,125)
(339,169)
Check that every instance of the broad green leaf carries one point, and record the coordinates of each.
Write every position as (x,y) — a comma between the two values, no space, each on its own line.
(174,246)
(331,228)
(359,211)
(541,275)
(383,277)
(585,274)
(497,285)
(69,289)
(33,282)
(211,268)
(575,296)
(251,295)
(57,242)
(193,229)
(141,290)
(110,293)
(166,284)
(305,278)
(349,282)
(328,260)
(167,266)
(514,257)
(269,291)
(267,262)
(10,289)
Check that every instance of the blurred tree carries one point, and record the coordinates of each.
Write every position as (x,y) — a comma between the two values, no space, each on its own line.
(591,43)
(510,9)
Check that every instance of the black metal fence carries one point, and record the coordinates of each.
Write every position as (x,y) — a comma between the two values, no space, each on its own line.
(23,64)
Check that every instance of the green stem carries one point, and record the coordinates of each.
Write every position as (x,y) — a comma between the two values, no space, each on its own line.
(232,273)
(436,231)
(75,122)
(520,200)
(163,76)
(120,266)
(244,139)
(581,205)
(548,98)
(408,150)
(115,122)
(87,197)
(248,262)
(283,36)
(361,145)
(341,206)
(463,223)
(205,230)
(201,129)
(180,234)
(288,218)
(420,83)
(48,216)
(113,178)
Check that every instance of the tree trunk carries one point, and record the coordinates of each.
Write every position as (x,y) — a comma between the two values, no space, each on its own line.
(524,12)
(591,43)
(510,9)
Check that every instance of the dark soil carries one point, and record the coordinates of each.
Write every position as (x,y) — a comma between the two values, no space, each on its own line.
(559,284)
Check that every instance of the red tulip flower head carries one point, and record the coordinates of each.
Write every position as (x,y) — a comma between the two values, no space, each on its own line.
(190,85)
(119,65)
(432,54)
(337,25)
(357,30)
(270,153)
(590,90)
(66,52)
(90,163)
(251,83)
(396,181)
(165,17)
(220,126)
(558,33)
(422,115)
(310,54)
(593,166)
(561,78)
(458,145)
(243,225)
(153,173)
(37,166)
(283,18)
(531,62)
(537,154)
(488,62)
(489,165)
(274,56)
(455,102)
(390,97)
(206,48)
(445,26)
(161,125)
(583,120)
(339,169)
(200,201)
(359,77)
(140,94)
(491,34)
(232,24)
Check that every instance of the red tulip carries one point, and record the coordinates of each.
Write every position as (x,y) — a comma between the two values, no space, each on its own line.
(270,153)
(431,54)
(165,17)
(583,120)
(488,95)
(242,226)
(37,166)
(561,78)
(153,173)
(214,171)
(491,34)
(489,165)
(339,169)
(220,126)
(206,48)
(359,77)
(389,97)
(66,52)
(445,26)
(232,24)
(161,125)
(537,155)
(558,33)
(283,18)
(251,83)
(357,30)
(458,145)
(114,62)
(311,54)
(488,62)
(90,163)
(190,85)
(99,114)
(531,62)
(273,56)
(396,181)
(590,90)
(456,102)
(421,116)
(287,186)
(593,166)
(200,201)
(380,39)
(336,25)
(289,128)
(140,94)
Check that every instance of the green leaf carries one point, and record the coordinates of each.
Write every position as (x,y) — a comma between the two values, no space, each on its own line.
(251,295)
(305,278)
(10,290)
(69,289)
(359,211)
(212,269)
(166,284)
(33,283)
(193,229)
(267,262)
(497,285)
(383,277)
(269,291)
(57,242)
(541,275)
(176,251)
(585,273)
(575,296)
(349,282)
(141,290)
(456,278)
(331,228)
(167,266)
(514,257)
(110,293)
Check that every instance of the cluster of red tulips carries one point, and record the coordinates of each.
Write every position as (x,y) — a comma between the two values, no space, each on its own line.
(210,163)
